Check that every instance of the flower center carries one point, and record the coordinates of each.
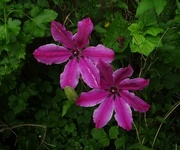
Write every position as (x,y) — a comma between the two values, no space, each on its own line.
(114,90)
(76,53)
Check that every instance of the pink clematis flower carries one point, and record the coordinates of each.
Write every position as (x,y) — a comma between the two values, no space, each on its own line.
(114,95)
(81,59)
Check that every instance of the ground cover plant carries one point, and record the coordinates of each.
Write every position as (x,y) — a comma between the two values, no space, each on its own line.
(89,75)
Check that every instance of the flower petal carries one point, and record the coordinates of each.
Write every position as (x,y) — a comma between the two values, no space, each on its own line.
(51,54)
(89,73)
(106,72)
(70,75)
(99,52)
(134,84)
(92,98)
(137,103)
(104,112)
(122,73)
(85,28)
(123,114)
(60,34)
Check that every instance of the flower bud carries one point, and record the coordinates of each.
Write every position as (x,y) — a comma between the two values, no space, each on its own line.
(70,93)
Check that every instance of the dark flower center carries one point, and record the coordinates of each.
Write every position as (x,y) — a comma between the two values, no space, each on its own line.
(114,90)
(76,53)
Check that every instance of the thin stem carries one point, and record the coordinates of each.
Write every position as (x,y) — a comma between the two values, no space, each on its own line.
(165,117)
(137,132)
(27,125)
(20,12)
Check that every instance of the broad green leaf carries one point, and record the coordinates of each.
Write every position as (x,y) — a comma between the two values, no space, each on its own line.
(120,142)
(113,132)
(159,5)
(143,6)
(148,18)
(13,27)
(136,28)
(98,133)
(147,46)
(153,31)
(101,136)
(117,29)
(138,39)
(16,104)
(10,29)
(37,25)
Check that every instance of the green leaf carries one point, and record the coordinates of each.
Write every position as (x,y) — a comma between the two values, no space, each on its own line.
(160,119)
(121,4)
(101,136)
(66,107)
(98,28)
(37,25)
(113,132)
(138,147)
(16,104)
(117,29)
(153,31)
(148,18)
(120,142)
(13,26)
(9,30)
(159,5)
(136,28)
(147,46)
(143,6)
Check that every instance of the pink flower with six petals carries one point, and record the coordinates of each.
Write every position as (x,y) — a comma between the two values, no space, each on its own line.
(114,95)
(82,59)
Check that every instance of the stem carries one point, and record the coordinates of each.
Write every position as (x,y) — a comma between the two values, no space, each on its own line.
(165,117)
(137,133)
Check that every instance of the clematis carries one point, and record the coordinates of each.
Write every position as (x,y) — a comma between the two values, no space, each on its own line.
(115,94)
(82,60)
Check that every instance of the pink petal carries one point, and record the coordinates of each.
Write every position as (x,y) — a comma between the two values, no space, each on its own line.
(99,52)
(123,114)
(122,73)
(104,112)
(106,72)
(134,84)
(51,54)
(85,28)
(134,101)
(60,34)
(92,98)
(89,73)
(70,75)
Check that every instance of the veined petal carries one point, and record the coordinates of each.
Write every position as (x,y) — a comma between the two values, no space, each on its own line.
(122,73)
(92,98)
(85,28)
(51,54)
(70,75)
(134,84)
(104,112)
(123,114)
(89,73)
(137,103)
(106,72)
(60,34)
(99,52)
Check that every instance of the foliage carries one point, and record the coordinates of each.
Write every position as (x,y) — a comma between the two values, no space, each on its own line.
(37,114)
